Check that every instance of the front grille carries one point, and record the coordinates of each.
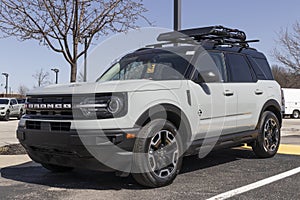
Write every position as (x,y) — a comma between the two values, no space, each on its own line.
(50,107)
(67,107)
(60,126)
(50,126)
(50,112)
(33,125)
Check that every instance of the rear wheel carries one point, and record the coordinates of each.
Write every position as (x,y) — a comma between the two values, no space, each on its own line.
(268,139)
(296,114)
(157,154)
(20,114)
(56,168)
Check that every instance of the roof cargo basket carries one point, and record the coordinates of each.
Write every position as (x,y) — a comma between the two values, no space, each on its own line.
(219,34)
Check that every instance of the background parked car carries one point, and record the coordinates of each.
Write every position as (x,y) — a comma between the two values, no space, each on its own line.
(292,102)
(9,107)
(22,102)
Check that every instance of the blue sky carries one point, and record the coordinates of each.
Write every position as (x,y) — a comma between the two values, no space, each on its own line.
(259,19)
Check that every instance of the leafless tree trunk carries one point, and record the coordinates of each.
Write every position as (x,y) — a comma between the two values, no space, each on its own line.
(288,50)
(42,78)
(286,78)
(23,90)
(63,25)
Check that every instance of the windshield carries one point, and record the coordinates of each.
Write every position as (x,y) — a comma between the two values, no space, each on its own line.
(152,66)
(3,101)
(20,101)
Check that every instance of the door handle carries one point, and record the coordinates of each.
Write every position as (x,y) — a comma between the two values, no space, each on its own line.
(258,92)
(228,93)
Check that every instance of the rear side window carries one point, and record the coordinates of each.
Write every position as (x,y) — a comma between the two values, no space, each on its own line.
(264,67)
(259,73)
(238,68)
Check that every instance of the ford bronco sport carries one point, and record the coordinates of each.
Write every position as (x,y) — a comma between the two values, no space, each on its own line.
(194,91)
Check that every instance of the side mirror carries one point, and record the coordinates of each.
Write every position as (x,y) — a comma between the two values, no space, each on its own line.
(199,79)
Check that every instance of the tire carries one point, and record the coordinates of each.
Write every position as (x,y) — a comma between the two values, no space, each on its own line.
(157,155)
(20,114)
(296,114)
(6,117)
(56,168)
(267,142)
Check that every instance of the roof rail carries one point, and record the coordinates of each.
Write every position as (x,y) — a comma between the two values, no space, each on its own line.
(218,34)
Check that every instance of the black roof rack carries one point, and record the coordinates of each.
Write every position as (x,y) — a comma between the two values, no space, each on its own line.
(218,34)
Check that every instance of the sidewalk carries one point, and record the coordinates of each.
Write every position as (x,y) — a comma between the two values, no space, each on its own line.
(13,160)
(8,132)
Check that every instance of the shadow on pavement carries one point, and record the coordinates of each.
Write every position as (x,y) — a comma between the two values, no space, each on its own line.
(87,179)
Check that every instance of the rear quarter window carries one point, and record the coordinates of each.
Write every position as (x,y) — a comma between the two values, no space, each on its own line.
(263,67)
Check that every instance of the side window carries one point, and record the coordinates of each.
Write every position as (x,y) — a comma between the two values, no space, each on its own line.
(13,101)
(218,59)
(210,68)
(264,67)
(259,73)
(238,68)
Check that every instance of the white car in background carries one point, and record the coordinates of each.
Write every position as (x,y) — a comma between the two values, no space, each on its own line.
(9,107)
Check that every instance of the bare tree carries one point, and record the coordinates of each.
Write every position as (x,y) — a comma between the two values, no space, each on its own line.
(66,25)
(23,90)
(288,52)
(42,78)
(285,77)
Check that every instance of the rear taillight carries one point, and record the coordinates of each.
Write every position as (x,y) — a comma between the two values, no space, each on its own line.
(282,98)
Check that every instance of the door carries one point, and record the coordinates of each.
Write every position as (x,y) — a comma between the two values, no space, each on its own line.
(244,83)
(217,99)
(14,107)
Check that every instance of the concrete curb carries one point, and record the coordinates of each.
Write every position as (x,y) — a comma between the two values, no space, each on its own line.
(13,160)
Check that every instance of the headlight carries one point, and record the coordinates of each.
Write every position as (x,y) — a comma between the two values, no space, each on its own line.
(101,107)
(114,105)
(2,108)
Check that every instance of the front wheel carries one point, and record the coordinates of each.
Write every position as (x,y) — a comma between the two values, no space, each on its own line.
(296,114)
(157,154)
(6,117)
(267,143)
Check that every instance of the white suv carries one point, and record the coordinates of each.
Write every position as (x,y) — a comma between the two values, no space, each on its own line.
(9,107)
(156,105)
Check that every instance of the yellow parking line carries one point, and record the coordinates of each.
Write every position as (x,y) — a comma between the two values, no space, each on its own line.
(285,149)
(289,149)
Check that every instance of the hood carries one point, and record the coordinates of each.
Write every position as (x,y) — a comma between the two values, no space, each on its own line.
(108,87)
(3,105)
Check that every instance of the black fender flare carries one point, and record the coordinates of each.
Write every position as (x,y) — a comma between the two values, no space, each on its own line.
(174,114)
(273,106)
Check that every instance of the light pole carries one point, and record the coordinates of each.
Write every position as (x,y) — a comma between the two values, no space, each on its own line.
(6,84)
(85,60)
(56,74)
(177,15)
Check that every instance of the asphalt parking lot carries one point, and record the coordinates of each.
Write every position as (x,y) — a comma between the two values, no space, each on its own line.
(221,173)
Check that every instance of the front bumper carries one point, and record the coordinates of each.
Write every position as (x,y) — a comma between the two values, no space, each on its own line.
(90,149)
